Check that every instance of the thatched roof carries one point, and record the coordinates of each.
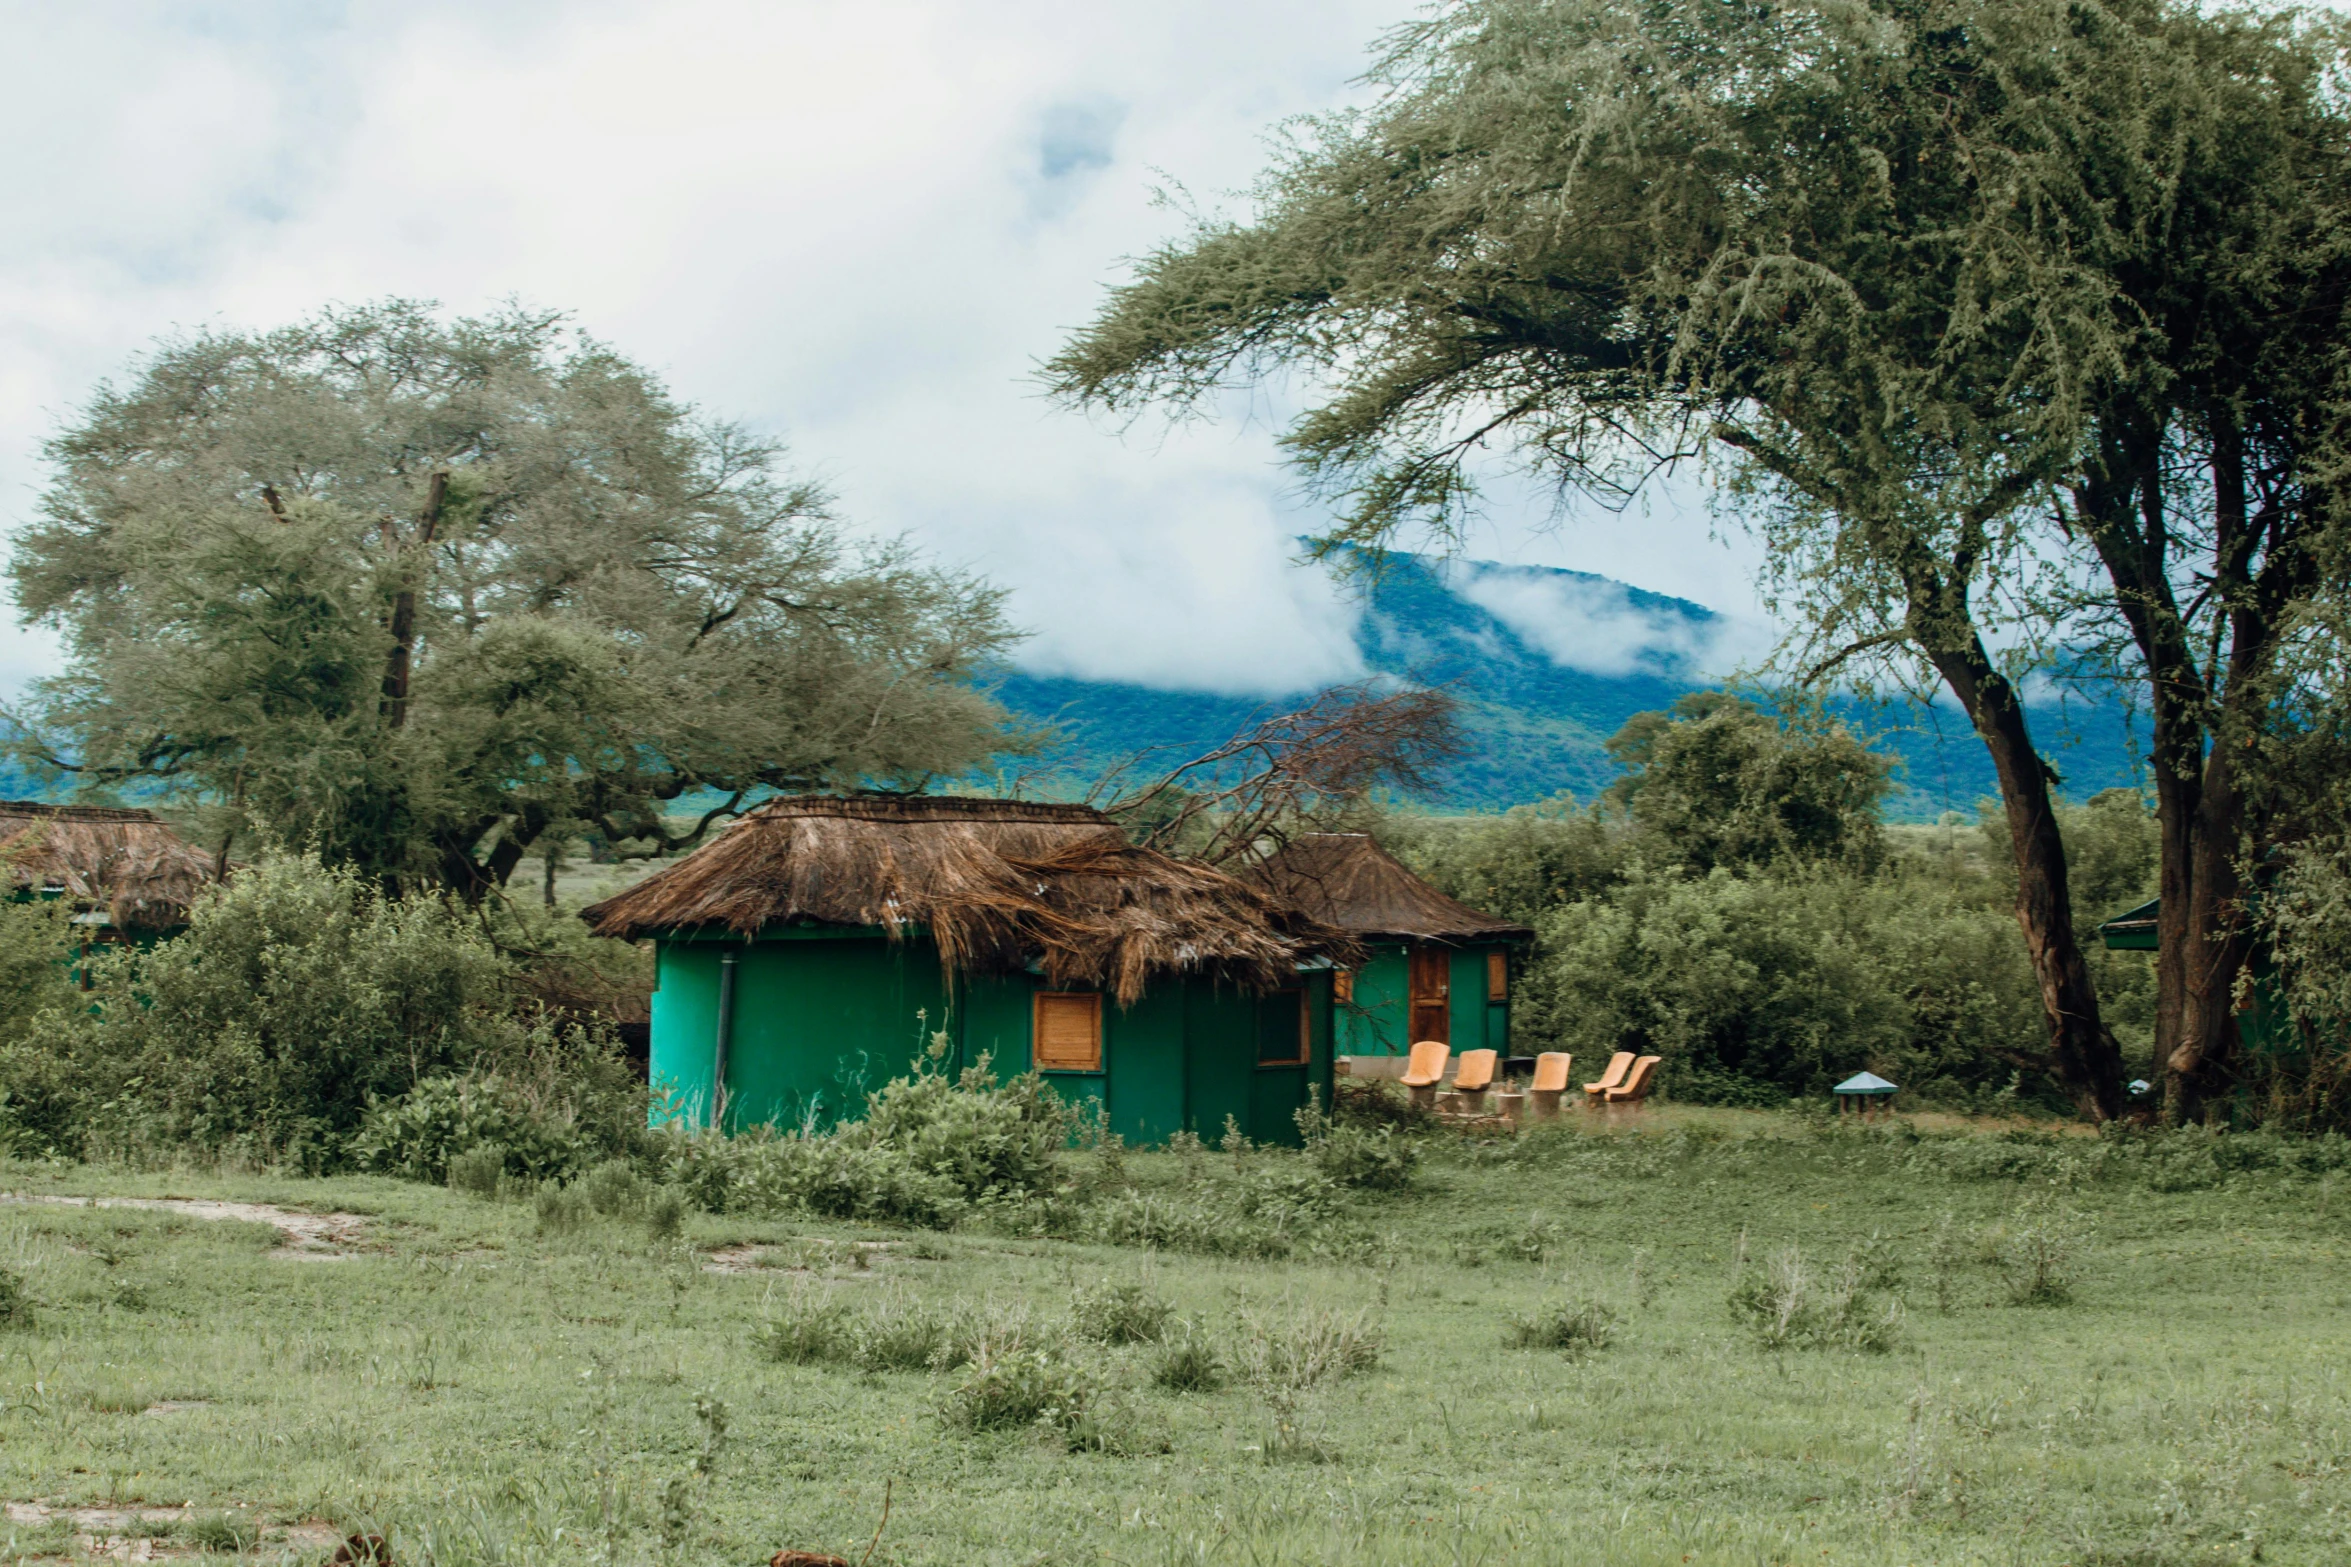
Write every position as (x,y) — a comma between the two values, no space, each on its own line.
(999,884)
(125,862)
(1346,879)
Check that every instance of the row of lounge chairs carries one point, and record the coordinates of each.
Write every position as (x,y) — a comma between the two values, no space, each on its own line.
(1625,1082)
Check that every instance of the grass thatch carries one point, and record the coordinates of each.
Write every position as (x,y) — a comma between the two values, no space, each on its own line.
(1346,879)
(126,862)
(998,884)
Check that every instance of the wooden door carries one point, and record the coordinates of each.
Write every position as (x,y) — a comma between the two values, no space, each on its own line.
(1432,985)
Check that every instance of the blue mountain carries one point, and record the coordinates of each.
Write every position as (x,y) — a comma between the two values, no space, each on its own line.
(1547,665)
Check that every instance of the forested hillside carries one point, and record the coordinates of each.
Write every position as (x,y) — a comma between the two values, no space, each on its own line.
(1535,724)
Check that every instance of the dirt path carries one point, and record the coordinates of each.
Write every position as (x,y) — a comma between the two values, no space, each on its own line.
(146,1534)
(309,1237)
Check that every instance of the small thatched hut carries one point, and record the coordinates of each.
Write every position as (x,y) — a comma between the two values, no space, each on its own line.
(123,866)
(1433,968)
(805,954)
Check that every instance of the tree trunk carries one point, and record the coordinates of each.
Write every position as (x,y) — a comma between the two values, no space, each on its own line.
(403,626)
(2083,1054)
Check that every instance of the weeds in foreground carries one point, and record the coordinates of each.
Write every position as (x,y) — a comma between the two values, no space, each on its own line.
(16,1302)
(806,1328)
(1016,1380)
(2037,1256)
(224,1533)
(1188,1362)
(1110,1313)
(1575,1327)
(1791,1303)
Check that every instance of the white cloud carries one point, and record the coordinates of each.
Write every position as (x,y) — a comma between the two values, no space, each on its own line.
(1598,626)
(858,225)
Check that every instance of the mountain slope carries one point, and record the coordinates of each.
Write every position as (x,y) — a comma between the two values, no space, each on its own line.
(1548,664)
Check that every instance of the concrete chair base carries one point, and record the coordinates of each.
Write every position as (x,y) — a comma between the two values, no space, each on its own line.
(1511,1107)
(1470,1102)
(1425,1097)
(1543,1103)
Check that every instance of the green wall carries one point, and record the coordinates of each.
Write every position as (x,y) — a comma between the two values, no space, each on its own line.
(1376,1023)
(821,1018)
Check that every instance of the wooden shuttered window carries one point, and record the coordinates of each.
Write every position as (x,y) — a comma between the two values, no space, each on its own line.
(1281,1028)
(1068,1031)
(1497,976)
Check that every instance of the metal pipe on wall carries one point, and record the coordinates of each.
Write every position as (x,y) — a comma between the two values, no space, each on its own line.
(726,1034)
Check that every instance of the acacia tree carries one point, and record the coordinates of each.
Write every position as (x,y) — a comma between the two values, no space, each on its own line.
(419,591)
(1879,258)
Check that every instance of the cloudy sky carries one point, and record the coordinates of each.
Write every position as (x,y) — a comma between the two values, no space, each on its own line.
(858,225)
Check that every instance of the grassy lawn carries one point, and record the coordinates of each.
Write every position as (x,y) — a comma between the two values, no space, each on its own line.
(478,1390)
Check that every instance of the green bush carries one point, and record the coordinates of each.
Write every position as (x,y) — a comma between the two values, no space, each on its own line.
(296,998)
(1187,1362)
(1014,1380)
(1374,1159)
(1791,1304)
(613,1188)
(541,1136)
(478,1170)
(1577,1327)
(807,1328)
(16,1303)
(1109,1313)
(563,1210)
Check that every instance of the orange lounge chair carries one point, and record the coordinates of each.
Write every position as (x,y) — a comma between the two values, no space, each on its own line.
(1618,1065)
(1424,1070)
(1635,1087)
(1543,1094)
(1474,1077)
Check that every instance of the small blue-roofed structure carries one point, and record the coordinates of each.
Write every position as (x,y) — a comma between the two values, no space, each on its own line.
(1864,1087)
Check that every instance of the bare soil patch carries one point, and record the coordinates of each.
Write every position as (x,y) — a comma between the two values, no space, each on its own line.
(147,1534)
(309,1237)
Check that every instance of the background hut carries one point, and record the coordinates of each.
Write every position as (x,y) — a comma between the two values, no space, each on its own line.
(129,877)
(1433,968)
(803,956)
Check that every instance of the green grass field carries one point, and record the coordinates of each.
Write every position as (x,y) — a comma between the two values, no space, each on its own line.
(479,1391)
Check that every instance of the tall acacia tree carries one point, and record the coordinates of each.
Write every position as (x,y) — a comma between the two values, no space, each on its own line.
(1880,257)
(420,591)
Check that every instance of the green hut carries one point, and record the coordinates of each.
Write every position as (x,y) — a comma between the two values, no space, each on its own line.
(129,877)
(2264,1026)
(1433,968)
(814,951)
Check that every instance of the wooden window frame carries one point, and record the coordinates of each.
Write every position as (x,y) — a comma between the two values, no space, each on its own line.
(1305,1056)
(1037,1008)
(1497,977)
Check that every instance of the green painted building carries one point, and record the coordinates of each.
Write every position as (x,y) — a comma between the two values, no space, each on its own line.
(819,947)
(129,878)
(2264,1026)
(1433,968)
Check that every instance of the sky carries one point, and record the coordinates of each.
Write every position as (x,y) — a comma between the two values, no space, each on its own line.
(857,226)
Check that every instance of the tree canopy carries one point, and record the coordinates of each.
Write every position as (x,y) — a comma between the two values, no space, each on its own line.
(418,591)
(1950,287)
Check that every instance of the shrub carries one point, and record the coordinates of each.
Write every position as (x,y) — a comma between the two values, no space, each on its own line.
(1305,1349)
(1187,1362)
(1015,1381)
(418,1134)
(296,997)
(478,1170)
(562,1209)
(1375,1102)
(16,1302)
(1359,1156)
(2038,1257)
(1789,1304)
(808,1328)
(665,1215)
(1577,1327)
(899,1333)
(613,1189)
(1120,1314)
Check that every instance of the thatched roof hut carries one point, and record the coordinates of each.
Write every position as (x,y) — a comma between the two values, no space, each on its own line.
(1346,879)
(998,885)
(126,863)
